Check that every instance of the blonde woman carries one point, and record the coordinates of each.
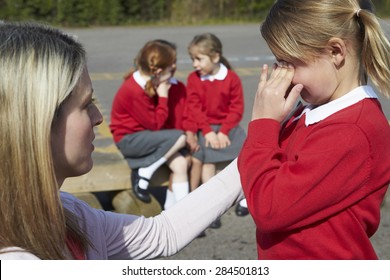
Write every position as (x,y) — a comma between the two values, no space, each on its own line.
(46,133)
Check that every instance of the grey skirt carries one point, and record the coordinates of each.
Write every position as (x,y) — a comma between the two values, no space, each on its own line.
(143,148)
(237,137)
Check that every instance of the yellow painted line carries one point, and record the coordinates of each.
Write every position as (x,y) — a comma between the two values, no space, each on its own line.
(103,133)
(111,149)
(248,71)
(103,130)
(106,76)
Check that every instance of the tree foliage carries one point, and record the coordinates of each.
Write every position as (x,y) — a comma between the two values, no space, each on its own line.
(121,12)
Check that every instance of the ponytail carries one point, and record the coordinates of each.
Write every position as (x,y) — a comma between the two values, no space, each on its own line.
(375,51)
(225,62)
(150,89)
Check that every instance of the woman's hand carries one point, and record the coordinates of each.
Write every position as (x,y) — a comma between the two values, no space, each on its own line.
(223,139)
(275,96)
(211,140)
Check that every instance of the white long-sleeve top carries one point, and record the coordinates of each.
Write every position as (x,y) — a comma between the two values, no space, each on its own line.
(123,236)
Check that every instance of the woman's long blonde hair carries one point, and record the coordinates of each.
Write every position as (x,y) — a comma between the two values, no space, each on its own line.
(300,29)
(39,68)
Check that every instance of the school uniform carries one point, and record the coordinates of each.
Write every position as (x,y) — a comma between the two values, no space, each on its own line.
(138,122)
(215,103)
(314,188)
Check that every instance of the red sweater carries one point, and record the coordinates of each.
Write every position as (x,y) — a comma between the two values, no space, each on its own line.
(176,105)
(133,111)
(315,191)
(216,102)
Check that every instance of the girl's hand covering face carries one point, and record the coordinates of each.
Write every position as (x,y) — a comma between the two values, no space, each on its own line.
(276,96)
(161,80)
(163,76)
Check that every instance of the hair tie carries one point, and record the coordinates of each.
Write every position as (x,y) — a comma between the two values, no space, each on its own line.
(357,12)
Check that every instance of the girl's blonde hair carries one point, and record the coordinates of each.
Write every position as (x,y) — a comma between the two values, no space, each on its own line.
(154,55)
(300,29)
(39,68)
(210,45)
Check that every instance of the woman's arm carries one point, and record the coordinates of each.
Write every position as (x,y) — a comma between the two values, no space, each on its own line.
(123,236)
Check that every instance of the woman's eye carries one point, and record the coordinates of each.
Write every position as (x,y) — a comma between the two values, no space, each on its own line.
(91,102)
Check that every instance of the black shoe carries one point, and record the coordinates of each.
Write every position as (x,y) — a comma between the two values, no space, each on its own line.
(141,194)
(216,224)
(241,211)
(202,234)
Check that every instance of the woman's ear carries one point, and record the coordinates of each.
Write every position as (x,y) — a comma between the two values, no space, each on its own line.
(338,51)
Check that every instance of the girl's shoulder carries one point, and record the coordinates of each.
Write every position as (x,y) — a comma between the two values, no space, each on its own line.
(232,74)
(193,75)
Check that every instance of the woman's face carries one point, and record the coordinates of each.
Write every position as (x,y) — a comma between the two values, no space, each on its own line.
(73,131)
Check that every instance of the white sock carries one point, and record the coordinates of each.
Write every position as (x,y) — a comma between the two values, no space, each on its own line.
(180,190)
(243,203)
(169,199)
(148,171)
(143,184)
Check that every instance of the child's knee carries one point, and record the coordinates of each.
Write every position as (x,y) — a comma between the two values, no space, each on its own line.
(181,141)
(179,165)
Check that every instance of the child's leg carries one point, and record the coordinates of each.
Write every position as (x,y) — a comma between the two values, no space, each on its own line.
(195,173)
(180,186)
(242,208)
(170,197)
(147,172)
(208,171)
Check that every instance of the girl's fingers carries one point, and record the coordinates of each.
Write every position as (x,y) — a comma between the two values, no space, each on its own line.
(292,97)
(264,73)
(274,98)
(284,79)
(274,70)
(281,73)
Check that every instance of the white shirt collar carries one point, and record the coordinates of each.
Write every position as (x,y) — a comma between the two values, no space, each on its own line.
(220,75)
(139,79)
(173,81)
(317,114)
(142,82)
